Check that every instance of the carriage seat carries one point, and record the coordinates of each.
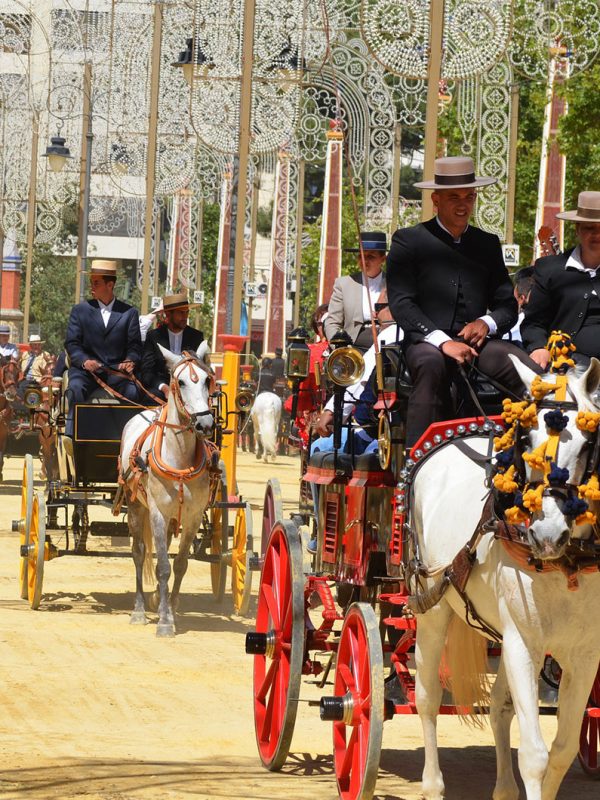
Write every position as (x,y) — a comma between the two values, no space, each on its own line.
(367,462)
(326,459)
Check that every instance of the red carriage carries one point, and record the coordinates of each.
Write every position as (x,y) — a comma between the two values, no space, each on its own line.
(347,612)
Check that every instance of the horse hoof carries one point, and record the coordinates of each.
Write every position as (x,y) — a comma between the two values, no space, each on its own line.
(138,618)
(165,630)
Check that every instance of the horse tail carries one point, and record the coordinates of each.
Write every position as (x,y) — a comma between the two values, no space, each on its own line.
(149,574)
(465,670)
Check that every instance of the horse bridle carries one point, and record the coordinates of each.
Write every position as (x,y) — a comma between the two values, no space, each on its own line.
(190,361)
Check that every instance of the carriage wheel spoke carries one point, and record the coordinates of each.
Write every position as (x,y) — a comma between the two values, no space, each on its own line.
(347,763)
(271,602)
(268,681)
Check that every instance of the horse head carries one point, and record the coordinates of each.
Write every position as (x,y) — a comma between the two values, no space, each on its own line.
(9,375)
(192,378)
(556,446)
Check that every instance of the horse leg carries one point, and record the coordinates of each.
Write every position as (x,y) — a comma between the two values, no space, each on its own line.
(523,666)
(502,712)
(166,622)
(180,564)
(135,520)
(575,683)
(431,635)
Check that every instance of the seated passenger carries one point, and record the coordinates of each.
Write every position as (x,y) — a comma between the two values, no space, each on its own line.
(349,308)
(523,282)
(102,333)
(8,349)
(33,363)
(450,291)
(566,292)
(174,335)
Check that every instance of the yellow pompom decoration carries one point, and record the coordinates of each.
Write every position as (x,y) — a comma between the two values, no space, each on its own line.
(588,421)
(591,490)
(560,347)
(539,388)
(532,498)
(537,458)
(505,482)
(505,441)
(515,515)
(523,411)
(587,517)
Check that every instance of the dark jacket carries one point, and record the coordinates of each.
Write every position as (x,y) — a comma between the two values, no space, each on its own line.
(88,337)
(154,370)
(425,268)
(559,300)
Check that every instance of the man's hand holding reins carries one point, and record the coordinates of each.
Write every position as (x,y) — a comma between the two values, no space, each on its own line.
(324,424)
(126,366)
(459,351)
(475,333)
(91,365)
(541,356)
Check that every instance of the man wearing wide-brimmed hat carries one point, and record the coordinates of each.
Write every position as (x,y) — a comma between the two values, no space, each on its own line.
(450,292)
(566,292)
(102,332)
(349,308)
(8,349)
(175,335)
(34,361)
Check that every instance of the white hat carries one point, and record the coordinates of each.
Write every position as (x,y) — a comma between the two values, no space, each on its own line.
(35,339)
(588,209)
(454,172)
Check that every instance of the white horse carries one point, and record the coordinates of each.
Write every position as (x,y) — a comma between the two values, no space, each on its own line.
(534,611)
(266,413)
(174,480)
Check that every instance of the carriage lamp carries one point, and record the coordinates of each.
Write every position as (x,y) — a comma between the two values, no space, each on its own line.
(57,153)
(345,365)
(298,355)
(32,398)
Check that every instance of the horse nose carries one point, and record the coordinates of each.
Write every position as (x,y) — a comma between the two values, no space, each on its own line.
(203,424)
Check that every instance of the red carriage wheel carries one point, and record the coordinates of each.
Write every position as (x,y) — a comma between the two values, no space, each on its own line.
(272,511)
(357,707)
(278,644)
(589,738)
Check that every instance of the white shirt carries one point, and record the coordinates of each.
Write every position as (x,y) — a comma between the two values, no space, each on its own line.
(175,342)
(146,322)
(574,261)
(438,337)
(9,349)
(373,288)
(106,310)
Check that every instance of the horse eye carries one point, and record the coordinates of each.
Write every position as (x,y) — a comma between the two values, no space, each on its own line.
(181,383)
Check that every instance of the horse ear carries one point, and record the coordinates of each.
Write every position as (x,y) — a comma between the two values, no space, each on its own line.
(525,373)
(171,359)
(203,352)
(590,380)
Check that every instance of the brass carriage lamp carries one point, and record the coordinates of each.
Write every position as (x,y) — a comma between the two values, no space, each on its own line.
(298,355)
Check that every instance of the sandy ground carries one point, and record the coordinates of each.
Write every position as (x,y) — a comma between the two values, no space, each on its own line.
(94,708)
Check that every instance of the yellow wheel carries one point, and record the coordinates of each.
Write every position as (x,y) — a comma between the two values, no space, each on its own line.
(241,575)
(219,538)
(23,524)
(37,551)
(384,440)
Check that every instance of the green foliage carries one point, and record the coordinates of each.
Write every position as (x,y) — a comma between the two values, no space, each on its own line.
(202,318)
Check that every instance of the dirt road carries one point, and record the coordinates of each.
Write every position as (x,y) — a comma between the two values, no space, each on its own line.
(94,708)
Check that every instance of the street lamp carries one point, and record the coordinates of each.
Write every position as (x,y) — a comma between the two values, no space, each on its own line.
(190,58)
(57,154)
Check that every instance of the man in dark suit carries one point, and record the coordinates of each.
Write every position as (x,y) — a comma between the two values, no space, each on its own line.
(175,335)
(449,290)
(102,332)
(566,292)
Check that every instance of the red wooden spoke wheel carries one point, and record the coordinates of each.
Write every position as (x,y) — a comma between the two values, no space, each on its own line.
(280,620)
(359,680)
(589,738)
(272,511)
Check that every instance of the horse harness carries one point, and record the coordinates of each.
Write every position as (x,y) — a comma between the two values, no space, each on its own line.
(205,457)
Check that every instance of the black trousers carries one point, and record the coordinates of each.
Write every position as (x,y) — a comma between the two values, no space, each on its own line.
(433,375)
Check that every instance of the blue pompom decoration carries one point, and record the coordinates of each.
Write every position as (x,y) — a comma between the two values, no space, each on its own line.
(574,507)
(557,475)
(556,420)
(505,458)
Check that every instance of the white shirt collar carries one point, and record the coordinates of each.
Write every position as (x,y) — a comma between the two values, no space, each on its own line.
(444,228)
(175,341)
(374,283)
(574,260)
(106,306)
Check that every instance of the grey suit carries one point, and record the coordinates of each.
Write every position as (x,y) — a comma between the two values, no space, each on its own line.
(346,306)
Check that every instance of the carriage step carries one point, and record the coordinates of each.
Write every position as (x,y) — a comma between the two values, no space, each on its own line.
(104,528)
